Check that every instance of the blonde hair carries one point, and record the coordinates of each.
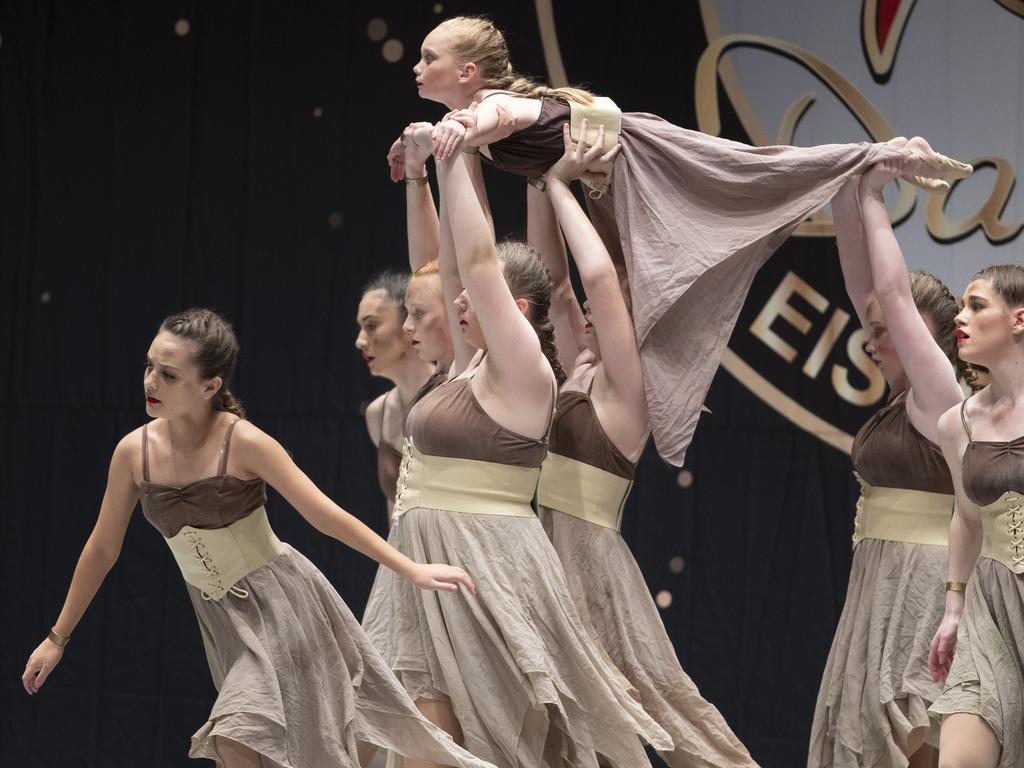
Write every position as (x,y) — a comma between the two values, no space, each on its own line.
(430,268)
(475,39)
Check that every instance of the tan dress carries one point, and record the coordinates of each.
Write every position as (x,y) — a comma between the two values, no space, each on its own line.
(389,458)
(876,688)
(297,679)
(528,685)
(987,675)
(613,599)
(691,218)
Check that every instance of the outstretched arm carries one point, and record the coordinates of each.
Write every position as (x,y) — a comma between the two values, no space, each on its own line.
(263,456)
(545,237)
(932,378)
(619,376)
(514,354)
(421,222)
(98,556)
(852,249)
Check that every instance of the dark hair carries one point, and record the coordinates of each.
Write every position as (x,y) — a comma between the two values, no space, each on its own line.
(933,298)
(529,278)
(393,284)
(1007,280)
(216,350)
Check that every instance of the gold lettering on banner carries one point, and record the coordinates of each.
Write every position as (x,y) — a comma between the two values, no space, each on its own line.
(709,117)
(987,218)
(778,306)
(828,340)
(1013,6)
(841,375)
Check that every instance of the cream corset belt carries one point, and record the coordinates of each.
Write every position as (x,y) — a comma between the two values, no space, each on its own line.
(463,485)
(215,560)
(583,491)
(1003,526)
(897,514)
(601,111)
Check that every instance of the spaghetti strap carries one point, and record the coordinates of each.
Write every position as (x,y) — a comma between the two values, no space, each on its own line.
(223,468)
(145,453)
(383,413)
(963,419)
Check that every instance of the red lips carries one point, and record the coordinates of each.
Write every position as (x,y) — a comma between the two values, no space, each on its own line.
(152,400)
(960,336)
(367,358)
(414,342)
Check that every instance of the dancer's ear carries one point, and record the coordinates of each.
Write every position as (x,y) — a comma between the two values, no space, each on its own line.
(468,71)
(524,307)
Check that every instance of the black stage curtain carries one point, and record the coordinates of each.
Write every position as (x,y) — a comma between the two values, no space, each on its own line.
(230,154)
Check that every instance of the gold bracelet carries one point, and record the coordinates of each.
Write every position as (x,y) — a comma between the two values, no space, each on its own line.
(420,182)
(469,150)
(57,639)
(537,182)
(956,586)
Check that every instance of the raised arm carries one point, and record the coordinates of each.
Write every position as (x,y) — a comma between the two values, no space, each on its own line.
(263,456)
(934,388)
(421,222)
(852,249)
(545,237)
(965,540)
(619,377)
(98,556)
(514,355)
(451,286)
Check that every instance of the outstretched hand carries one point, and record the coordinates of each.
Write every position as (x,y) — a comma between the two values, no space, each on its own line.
(40,664)
(578,159)
(443,578)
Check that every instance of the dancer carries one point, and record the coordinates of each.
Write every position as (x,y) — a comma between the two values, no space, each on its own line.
(692,217)
(299,683)
(982,704)
(389,353)
(599,431)
(511,672)
(876,689)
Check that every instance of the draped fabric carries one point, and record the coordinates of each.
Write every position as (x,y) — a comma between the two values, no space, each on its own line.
(240,165)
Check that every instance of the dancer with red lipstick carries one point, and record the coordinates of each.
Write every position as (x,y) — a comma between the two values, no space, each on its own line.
(978,650)
(299,683)
(876,689)
(388,353)
(511,672)
(692,217)
(599,431)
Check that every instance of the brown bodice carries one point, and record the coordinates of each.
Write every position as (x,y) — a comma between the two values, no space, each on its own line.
(577,434)
(212,502)
(991,467)
(531,151)
(389,458)
(889,453)
(449,422)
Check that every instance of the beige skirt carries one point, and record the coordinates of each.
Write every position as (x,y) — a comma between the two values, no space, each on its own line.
(527,683)
(987,676)
(299,682)
(615,604)
(872,709)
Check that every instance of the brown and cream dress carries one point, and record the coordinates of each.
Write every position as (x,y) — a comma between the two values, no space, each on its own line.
(584,483)
(691,218)
(987,675)
(297,679)
(872,709)
(529,686)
